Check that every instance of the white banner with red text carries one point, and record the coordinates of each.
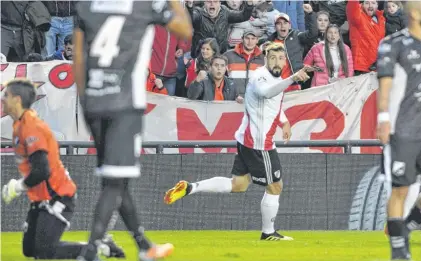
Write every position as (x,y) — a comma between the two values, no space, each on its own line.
(344,110)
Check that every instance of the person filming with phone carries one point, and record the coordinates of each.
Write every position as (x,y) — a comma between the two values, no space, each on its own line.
(332,59)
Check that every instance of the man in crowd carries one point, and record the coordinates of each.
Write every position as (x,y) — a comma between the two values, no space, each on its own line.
(65,53)
(167,48)
(294,41)
(366,29)
(214,85)
(213,20)
(244,59)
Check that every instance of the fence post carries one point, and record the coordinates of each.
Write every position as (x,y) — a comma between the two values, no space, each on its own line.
(159,149)
(348,149)
(70,150)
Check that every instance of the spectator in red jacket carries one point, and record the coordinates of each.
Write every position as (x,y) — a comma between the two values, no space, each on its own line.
(166,49)
(366,29)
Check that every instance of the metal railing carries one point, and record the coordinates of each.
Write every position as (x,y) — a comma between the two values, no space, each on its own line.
(347,145)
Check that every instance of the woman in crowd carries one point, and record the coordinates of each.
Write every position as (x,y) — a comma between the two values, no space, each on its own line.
(207,48)
(332,56)
(323,21)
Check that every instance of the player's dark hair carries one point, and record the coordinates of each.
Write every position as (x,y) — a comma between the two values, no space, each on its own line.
(221,57)
(24,89)
(342,53)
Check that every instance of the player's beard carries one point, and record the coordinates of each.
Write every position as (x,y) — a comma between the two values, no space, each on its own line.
(275,74)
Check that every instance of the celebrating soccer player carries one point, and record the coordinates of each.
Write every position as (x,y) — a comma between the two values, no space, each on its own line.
(118,37)
(257,160)
(45,180)
(399,125)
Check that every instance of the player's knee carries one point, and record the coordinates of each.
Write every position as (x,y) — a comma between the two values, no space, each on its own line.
(240,184)
(44,250)
(274,188)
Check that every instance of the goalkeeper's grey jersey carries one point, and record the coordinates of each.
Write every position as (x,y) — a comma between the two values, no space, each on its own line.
(399,56)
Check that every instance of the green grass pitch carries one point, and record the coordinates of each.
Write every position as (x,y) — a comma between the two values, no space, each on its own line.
(245,246)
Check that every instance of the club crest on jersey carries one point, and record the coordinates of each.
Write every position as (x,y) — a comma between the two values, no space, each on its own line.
(16,140)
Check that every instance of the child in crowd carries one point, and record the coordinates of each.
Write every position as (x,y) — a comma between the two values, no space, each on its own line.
(395,17)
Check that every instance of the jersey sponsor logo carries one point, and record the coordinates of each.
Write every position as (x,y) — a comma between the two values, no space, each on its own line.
(31,141)
(398,168)
(113,7)
(413,54)
(103,82)
(263,180)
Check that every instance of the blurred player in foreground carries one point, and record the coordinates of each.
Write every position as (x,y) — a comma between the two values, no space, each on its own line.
(111,79)
(257,160)
(45,180)
(399,125)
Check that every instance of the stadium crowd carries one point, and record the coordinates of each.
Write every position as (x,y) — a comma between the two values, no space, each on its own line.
(338,37)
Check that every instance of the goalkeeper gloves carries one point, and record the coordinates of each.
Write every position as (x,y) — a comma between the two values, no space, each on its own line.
(13,189)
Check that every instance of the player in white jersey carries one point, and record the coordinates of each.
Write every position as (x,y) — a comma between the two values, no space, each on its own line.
(257,160)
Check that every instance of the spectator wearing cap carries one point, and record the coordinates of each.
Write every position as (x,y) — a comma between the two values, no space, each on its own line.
(215,86)
(295,11)
(213,21)
(366,29)
(244,59)
(294,41)
(64,53)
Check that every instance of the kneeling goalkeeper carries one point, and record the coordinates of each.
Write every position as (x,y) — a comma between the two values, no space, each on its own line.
(45,180)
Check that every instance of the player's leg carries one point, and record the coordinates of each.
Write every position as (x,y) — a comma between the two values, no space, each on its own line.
(399,165)
(49,229)
(413,221)
(266,171)
(108,201)
(238,183)
(29,229)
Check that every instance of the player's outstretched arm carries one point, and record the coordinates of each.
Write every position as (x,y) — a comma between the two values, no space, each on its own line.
(78,60)
(271,90)
(180,24)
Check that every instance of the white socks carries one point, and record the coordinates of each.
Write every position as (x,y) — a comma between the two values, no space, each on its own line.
(269,207)
(215,185)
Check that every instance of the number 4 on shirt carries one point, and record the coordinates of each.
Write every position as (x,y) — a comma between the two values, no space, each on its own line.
(105,45)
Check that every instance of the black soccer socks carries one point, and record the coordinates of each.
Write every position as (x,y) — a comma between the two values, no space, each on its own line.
(398,236)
